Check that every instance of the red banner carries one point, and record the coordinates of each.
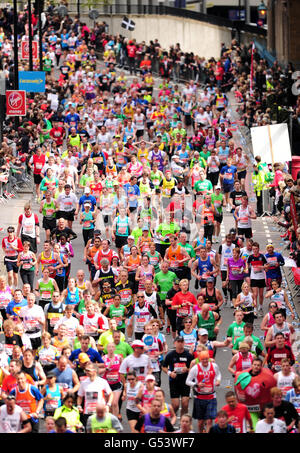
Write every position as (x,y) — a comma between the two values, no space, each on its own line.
(15,103)
(25,50)
(293,212)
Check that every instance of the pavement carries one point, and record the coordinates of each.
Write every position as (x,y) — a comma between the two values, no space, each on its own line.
(264,230)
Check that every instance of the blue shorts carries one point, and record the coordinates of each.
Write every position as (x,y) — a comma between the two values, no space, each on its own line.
(205,409)
(11,266)
(227,187)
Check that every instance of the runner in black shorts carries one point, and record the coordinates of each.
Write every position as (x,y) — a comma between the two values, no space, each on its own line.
(176,365)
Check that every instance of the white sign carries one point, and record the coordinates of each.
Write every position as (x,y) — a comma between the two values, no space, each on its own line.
(271,143)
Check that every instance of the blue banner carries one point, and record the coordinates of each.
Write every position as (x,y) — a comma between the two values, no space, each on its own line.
(32,81)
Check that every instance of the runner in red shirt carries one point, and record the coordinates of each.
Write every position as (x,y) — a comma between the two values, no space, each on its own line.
(238,414)
(183,303)
(38,160)
(57,133)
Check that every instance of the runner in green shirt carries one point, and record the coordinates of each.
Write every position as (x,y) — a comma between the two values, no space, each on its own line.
(217,201)
(236,329)
(164,281)
(122,347)
(256,347)
(203,185)
(163,232)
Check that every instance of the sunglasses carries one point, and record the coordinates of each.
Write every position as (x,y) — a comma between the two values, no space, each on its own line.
(130,379)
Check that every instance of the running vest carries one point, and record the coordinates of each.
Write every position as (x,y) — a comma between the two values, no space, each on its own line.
(207,377)
(204,266)
(226,253)
(50,405)
(47,262)
(28,225)
(112,366)
(122,227)
(244,220)
(72,297)
(212,300)
(174,256)
(142,315)
(26,400)
(243,363)
(285,383)
(104,426)
(149,427)
(46,289)
(208,324)
(167,186)
(284,330)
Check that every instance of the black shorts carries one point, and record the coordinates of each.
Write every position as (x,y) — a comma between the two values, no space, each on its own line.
(37,179)
(258,283)
(66,215)
(139,133)
(120,241)
(132,208)
(179,389)
(132,415)
(49,224)
(247,232)
(11,266)
(242,174)
(36,342)
(223,276)
(213,177)
(219,218)
(116,387)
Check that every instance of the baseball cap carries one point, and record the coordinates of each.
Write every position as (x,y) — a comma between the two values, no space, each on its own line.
(50,374)
(131,237)
(202,332)
(270,245)
(145,228)
(232,231)
(86,203)
(87,190)
(210,280)
(179,338)
(218,188)
(97,232)
(83,357)
(150,377)
(137,344)
(176,281)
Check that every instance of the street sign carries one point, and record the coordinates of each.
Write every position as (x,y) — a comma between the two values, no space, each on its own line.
(15,103)
(32,81)
(25,50)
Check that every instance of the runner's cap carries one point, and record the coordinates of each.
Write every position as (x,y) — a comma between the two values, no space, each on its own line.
(137,344)
(150,377)
(202,332)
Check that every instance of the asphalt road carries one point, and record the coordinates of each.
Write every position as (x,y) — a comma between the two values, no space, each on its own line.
(264,230)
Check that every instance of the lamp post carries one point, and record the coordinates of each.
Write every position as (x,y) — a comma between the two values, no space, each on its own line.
(30,36)
(262,13)
(40,7)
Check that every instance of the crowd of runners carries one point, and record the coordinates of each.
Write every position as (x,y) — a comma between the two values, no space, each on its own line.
(147,167)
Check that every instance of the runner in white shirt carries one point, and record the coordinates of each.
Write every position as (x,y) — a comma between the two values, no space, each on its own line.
(93,390)
(33,319)
(12,418)
(138,362)
(270,424)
